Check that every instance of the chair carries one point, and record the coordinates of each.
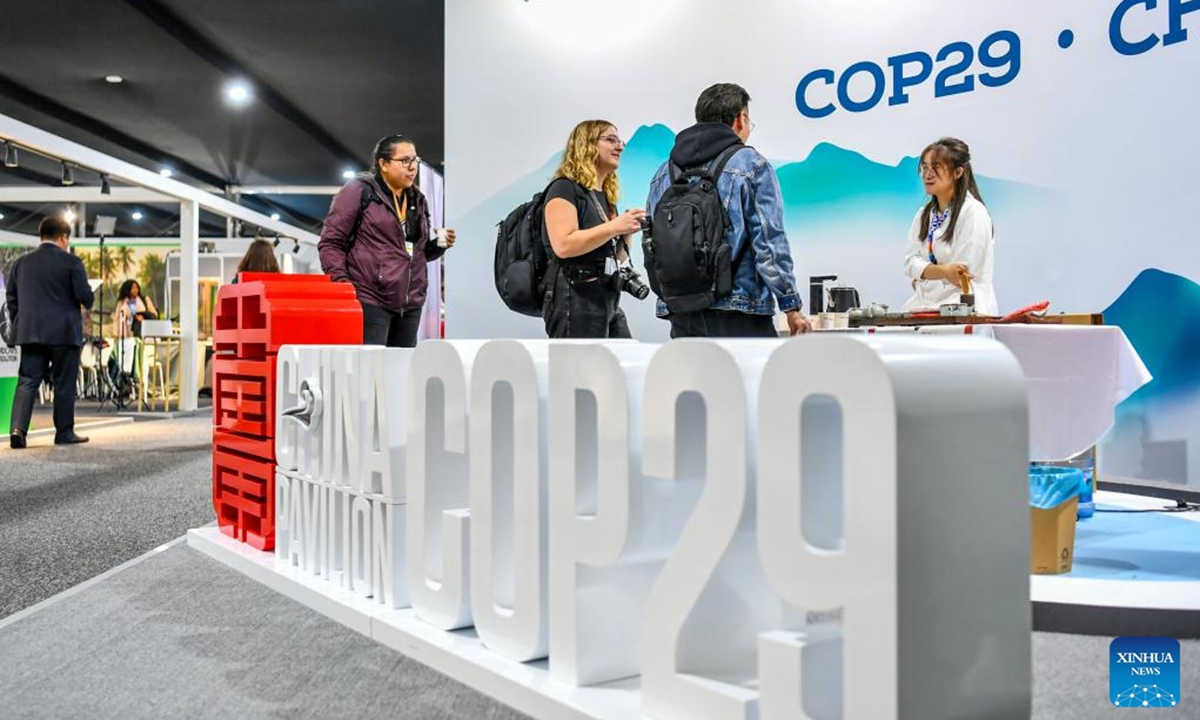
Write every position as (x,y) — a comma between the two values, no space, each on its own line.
(152,375)
(89,373)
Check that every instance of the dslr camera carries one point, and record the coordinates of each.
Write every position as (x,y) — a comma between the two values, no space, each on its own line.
(632,283)
(647,226)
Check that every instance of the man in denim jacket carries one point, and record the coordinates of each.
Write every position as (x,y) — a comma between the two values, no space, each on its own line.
(750,193)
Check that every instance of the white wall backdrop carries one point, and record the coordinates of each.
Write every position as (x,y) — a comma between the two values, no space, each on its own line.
(1087,153)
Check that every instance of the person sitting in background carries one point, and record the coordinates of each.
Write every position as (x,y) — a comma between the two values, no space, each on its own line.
(951,239)
(259,258)
(132,309)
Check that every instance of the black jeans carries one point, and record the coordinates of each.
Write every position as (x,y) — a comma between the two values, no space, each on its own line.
(721,324)
(584,307)
(384,327)
(62,363)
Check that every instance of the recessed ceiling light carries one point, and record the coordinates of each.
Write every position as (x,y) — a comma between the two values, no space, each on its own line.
(69,216)
(1,216)
(237,92)
(347,174)
(114,79)
(166,172)
(274,216)
(136,215)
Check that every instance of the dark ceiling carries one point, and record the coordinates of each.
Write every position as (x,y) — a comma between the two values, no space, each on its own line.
(328,77)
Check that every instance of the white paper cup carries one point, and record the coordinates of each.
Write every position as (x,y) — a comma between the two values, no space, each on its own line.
(442,239)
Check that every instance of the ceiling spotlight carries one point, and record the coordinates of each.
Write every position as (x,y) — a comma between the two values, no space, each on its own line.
(136,215)
(347,174)
(114,79)
(105,188)
(10,155)
(296,249)
(275,216)
(69,216)
(1,216)
(275,242)
(166,172)
(237,92)
(68,177)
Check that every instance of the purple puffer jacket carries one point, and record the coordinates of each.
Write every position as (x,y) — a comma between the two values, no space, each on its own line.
(378,265)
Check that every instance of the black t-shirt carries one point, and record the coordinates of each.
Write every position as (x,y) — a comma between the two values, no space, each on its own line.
(587,205)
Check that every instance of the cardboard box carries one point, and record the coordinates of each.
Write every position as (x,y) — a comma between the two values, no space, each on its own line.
(1052,538)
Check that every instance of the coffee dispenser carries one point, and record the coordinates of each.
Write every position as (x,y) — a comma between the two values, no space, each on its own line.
(816,293)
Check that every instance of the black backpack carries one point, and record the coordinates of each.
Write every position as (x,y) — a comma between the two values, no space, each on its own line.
(522,262)
(687,259)
(363,201)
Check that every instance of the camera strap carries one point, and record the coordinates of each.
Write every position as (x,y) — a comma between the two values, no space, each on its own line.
(607,215)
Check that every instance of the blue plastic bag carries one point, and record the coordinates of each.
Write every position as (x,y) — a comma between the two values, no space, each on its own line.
(1051,486)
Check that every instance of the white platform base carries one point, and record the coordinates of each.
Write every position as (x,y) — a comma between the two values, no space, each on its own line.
(1130,608)
(1179,595)
(527,687)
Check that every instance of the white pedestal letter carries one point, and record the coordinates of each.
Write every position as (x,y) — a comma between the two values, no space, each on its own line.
(711,599)
(607,542)
(438,482)
(932,464)
(509,384)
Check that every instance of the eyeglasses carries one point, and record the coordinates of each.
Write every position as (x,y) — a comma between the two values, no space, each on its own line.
(746,113)
(613,140)
(407,162)
(926,169)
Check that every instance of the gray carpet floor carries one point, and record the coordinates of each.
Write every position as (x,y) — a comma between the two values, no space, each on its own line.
(69,513)
(181,636)
(1070,681)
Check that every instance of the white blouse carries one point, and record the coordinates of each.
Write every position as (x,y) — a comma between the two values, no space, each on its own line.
(973,246)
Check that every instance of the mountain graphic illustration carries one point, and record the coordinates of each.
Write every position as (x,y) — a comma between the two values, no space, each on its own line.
(831,190)
(1160,314)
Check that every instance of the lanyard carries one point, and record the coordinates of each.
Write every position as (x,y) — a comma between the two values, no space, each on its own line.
(936,220)
(599,207)
(400,217)
(604,214)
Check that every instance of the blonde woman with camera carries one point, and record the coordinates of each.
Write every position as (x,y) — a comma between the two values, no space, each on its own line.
(588,238)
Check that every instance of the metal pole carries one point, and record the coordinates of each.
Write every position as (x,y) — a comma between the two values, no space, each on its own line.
(189,303)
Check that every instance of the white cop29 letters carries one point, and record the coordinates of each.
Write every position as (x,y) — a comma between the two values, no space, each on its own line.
(691,513)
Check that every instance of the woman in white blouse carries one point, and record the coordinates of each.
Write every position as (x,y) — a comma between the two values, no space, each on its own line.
(951,237)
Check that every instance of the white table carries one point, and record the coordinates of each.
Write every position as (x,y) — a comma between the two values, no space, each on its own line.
(1076,375)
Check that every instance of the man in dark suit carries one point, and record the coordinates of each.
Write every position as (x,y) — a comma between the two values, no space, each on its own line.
(46,286)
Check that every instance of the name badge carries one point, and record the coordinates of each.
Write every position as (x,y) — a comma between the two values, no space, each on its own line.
(610,266)
(409,247)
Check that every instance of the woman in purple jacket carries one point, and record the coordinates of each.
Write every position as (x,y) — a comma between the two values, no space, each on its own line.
(383,250)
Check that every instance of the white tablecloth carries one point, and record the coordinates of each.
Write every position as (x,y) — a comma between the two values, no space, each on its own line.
(1076,375)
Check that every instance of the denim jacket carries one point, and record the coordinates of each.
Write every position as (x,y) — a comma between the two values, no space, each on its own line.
(750,193)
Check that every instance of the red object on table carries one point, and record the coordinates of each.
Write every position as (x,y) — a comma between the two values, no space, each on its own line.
(1037,307)
(256,317)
